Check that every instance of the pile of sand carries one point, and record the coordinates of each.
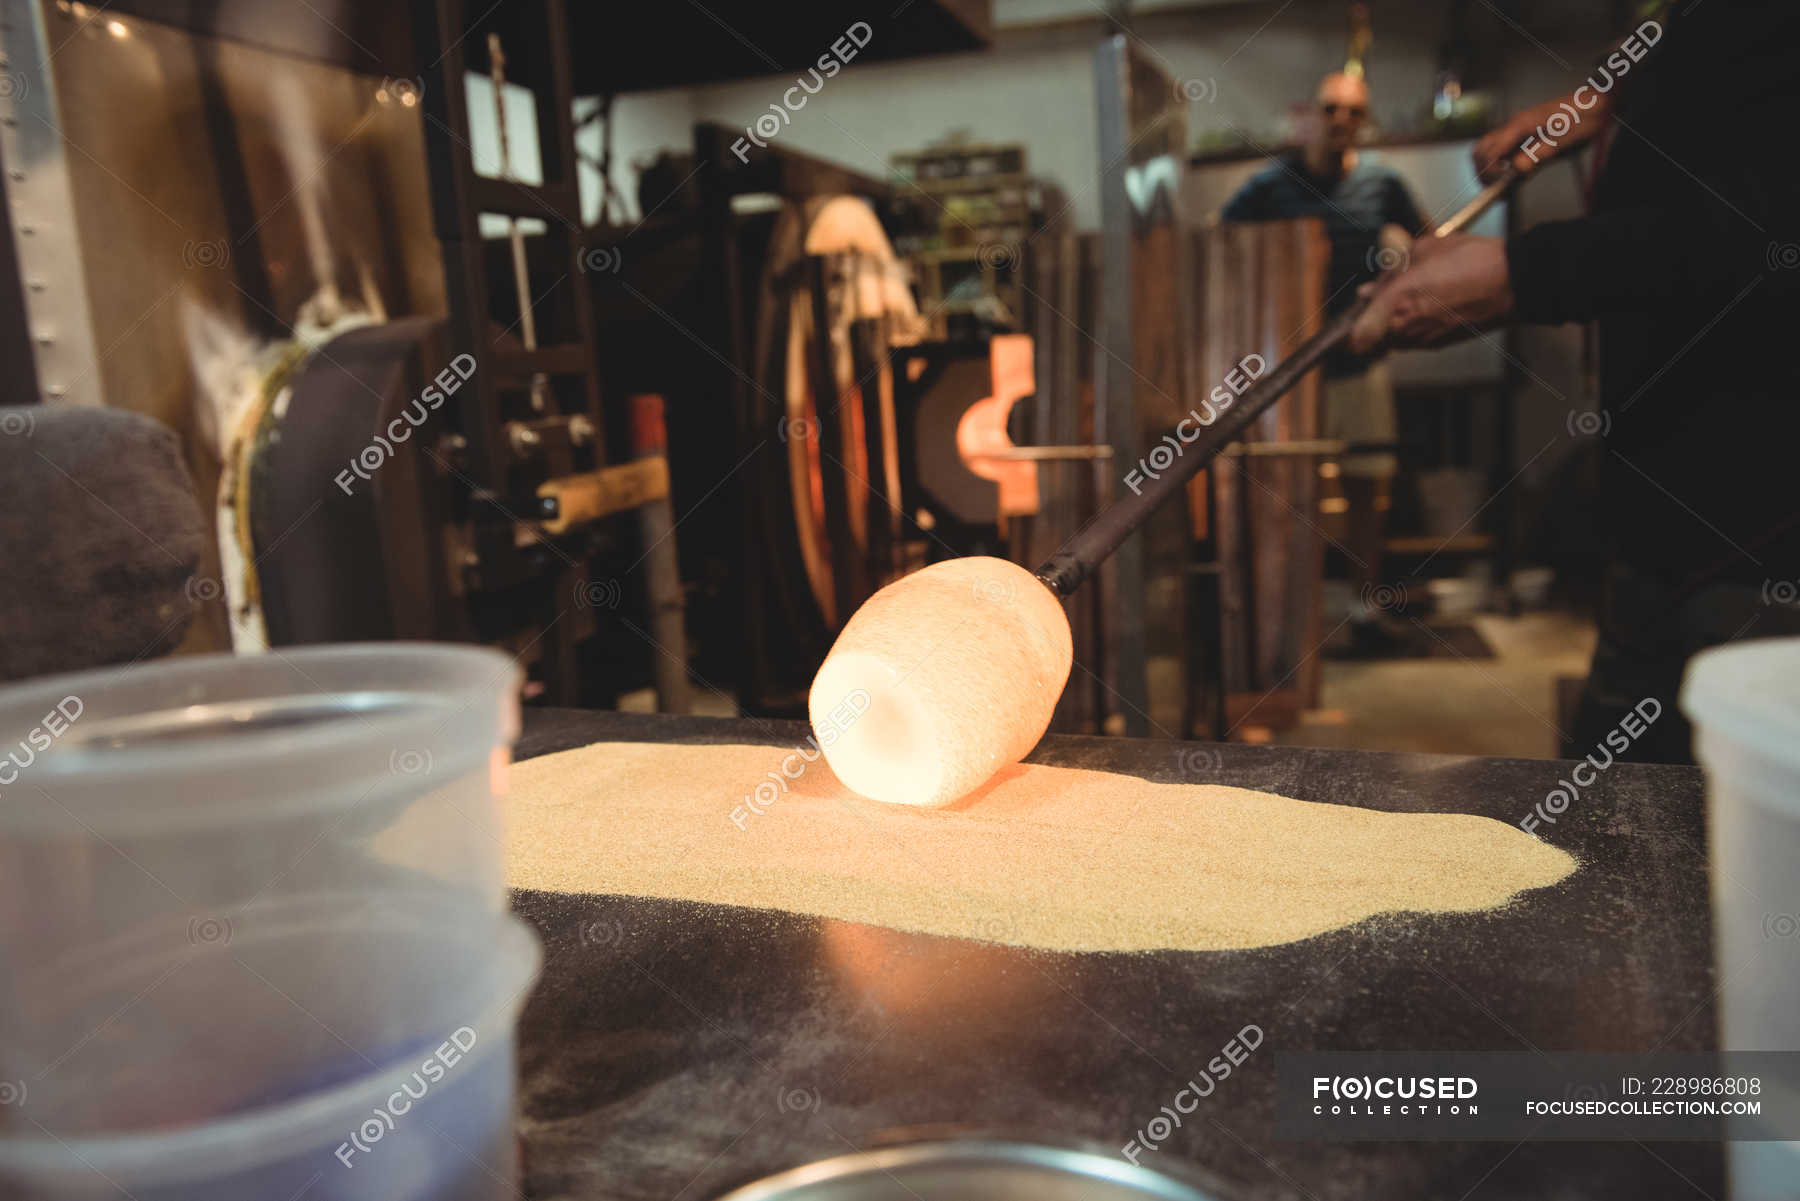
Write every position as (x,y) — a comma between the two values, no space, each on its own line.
(1041,856)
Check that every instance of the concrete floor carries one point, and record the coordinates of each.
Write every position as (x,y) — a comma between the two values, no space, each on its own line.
(1505,705)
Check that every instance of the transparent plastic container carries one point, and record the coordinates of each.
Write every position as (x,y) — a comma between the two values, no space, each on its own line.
(344,1049)
(1744,701)
(193,791)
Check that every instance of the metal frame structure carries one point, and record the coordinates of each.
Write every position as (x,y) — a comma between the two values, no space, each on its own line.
(498,436)
(46,329)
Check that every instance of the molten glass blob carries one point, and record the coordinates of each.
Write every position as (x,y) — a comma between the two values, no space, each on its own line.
(941,679)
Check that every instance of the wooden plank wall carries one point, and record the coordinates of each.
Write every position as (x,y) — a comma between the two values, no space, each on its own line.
(1062,292)
(1160,372)
(1260,288)
(1251,288)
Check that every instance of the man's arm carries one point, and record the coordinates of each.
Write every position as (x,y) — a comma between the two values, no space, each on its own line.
(1640,260)
(1493,148)
(1728,222)
(1732,200)
(1454,287)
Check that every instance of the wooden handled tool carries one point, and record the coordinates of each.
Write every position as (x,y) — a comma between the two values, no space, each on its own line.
(1065,570)
(571,500)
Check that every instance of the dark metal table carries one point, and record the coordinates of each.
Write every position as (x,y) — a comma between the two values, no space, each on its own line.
(674,1050)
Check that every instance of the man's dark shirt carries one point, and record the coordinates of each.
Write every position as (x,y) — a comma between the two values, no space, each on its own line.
(1354,207)
(1690,264)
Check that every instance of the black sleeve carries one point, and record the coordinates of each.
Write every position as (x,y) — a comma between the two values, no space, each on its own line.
(1710,210)
(1633,260)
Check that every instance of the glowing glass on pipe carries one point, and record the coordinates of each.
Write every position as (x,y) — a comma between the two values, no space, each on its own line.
(963,662)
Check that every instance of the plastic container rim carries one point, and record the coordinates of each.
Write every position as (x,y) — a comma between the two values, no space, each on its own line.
(1722,694)
(464,704)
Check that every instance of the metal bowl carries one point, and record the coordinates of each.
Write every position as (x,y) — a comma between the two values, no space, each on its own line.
(969,1170)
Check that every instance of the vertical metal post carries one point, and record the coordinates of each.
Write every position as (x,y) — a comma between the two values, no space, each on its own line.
(662,571)
(1115,407)
(60,363)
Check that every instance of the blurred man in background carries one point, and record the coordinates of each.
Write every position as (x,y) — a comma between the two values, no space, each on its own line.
(1689,262)
(1370,218)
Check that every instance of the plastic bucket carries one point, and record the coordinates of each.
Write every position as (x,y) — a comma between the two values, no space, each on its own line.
(188,791)
(1744,701)
(335,1050)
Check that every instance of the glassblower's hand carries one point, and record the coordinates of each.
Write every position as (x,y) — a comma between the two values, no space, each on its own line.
(1579,120)
(1452,288)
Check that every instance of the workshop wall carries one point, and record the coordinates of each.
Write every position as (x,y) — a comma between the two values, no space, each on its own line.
(1253,61)
(1036,85)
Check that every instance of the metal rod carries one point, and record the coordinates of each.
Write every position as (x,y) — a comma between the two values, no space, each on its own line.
(515,233)
(1466,215)
(1065,570)
(1044,454)
(1305,448)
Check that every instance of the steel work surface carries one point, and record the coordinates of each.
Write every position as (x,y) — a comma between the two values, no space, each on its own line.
(674,1050)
